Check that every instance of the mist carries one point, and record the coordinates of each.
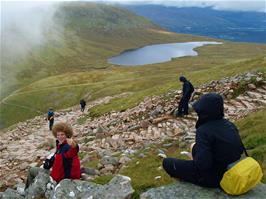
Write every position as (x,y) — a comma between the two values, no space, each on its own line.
(24,26)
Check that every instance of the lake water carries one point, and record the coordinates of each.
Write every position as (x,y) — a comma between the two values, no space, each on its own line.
(157,53)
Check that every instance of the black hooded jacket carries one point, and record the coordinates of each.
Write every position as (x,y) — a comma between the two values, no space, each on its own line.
(188,88)
(217,140)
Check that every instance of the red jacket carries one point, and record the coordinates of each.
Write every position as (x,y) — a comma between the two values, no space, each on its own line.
(66,163)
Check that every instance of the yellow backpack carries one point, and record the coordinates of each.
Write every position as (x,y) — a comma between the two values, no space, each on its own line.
(242,176)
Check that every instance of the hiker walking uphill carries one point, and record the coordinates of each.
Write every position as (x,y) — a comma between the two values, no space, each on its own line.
(65,162)
(217,145)
(188,89)
(50,118)
(82,105)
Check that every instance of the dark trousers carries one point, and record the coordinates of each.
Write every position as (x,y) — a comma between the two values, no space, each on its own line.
(183,106)
(82,108)
(51,123)
(186,170)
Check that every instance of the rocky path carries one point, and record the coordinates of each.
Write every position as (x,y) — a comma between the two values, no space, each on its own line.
(28,143)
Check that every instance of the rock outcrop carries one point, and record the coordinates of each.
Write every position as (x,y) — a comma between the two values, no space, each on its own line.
(184,190)
(118,188)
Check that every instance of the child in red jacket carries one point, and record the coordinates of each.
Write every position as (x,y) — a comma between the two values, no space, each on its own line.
(65,163)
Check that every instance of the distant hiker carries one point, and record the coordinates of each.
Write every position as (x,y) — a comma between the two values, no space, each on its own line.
(65,162)
(50,118)
(217,145)
(188,89)
(82,105)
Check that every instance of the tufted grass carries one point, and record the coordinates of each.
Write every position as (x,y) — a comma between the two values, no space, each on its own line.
(143,171)
(253,132)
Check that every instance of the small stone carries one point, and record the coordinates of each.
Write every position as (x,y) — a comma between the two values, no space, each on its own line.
(141,155)
(162,155)
(167,145)
(251,86)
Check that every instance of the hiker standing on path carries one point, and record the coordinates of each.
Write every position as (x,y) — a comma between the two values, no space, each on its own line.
(82,105)
(188,89)
(65,162)
(217,145)
(50,118)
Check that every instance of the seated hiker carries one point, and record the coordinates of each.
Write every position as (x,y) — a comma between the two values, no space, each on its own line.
(82,105)
(187,89)
(65,162)
(217,145)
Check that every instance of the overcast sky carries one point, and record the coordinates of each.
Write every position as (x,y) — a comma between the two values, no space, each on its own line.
(243,5)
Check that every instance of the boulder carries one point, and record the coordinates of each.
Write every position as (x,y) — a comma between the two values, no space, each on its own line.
(109,160)
(184,190)
(119,188)
(38,187)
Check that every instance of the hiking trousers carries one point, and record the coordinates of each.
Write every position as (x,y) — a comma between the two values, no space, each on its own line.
(183,106)
(51,123)
(186,170)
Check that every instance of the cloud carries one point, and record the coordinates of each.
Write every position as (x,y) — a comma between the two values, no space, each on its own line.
(23,25)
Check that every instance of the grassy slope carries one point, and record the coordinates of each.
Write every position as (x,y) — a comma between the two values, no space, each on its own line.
(143,170)
(253,132)
(85,45)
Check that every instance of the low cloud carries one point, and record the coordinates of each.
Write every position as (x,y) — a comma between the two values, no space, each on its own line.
(23,25)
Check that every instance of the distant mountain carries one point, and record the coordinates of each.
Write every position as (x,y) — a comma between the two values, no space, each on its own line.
(229,25)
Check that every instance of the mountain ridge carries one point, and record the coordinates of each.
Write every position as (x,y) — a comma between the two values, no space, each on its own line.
(241,26)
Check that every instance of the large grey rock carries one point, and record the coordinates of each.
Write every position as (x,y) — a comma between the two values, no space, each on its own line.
(38,187)
(10,194)
(118,188)
(184,190)
(67,189)
(109,160)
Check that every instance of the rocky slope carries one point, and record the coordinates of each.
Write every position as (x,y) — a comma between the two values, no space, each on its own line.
(121,133)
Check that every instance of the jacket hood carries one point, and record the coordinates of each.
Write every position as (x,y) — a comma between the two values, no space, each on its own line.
(209,107)
(182,79)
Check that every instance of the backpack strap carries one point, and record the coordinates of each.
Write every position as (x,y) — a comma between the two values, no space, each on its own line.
(244,148)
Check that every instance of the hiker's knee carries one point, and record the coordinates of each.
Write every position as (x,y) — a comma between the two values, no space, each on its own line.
(168,164)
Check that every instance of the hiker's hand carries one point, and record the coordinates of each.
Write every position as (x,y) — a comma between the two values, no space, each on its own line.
(71,142)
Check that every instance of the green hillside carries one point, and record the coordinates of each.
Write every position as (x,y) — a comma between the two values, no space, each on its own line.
(82,36)
(73,64)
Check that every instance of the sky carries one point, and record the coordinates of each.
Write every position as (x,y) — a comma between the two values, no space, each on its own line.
(240,5)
